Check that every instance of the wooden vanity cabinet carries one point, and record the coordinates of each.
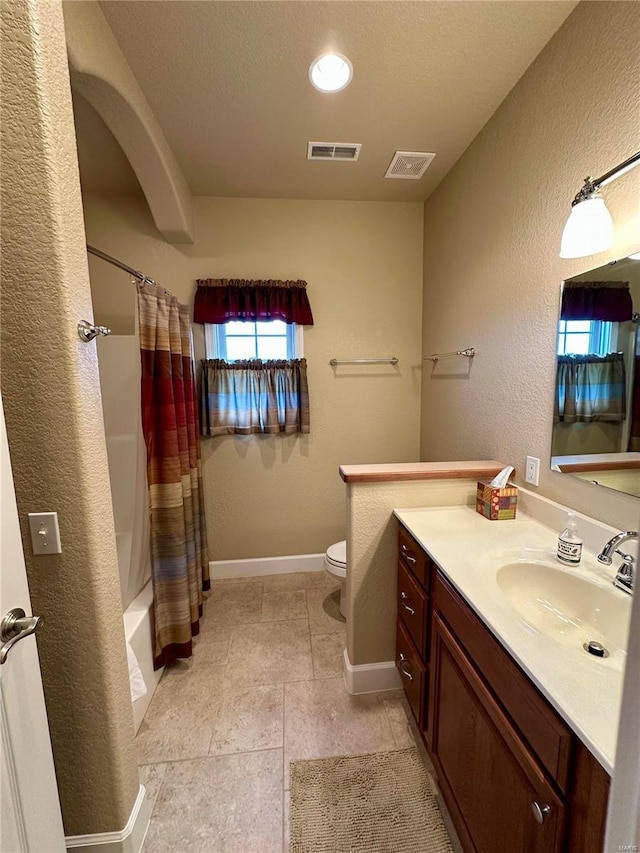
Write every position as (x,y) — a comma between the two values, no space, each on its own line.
(513,775)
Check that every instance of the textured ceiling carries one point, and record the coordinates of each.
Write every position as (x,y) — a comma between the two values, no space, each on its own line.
(228,83)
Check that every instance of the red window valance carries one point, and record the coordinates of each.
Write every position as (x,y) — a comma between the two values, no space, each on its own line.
(219,300)
(597,300)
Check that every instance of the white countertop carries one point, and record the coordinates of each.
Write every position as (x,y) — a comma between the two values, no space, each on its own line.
(468,548)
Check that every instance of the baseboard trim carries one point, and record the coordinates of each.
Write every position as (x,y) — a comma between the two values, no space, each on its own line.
(370,677)
(127,840)
(223,569)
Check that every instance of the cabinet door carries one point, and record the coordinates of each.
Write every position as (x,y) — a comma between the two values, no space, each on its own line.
(490,780)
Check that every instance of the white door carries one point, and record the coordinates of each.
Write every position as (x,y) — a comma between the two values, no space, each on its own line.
(30,820)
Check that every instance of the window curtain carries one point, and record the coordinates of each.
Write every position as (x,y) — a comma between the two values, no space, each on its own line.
(179,560)
(596,300)
(221,300)
(590,388)
(245,397)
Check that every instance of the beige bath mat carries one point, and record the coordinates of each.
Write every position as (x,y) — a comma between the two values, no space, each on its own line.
(380,803)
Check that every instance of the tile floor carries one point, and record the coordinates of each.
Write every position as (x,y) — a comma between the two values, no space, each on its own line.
(264,687)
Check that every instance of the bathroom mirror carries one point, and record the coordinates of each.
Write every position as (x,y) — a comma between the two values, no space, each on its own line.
(596,421)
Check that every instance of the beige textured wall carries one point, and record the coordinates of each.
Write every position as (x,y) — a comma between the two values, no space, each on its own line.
(54,421)
(492,236)
(373,553)
(266,495)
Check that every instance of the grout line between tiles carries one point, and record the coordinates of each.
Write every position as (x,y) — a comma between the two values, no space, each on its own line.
(173,760)
(213,757)
(155,803)
(284,811)
(242,752)
(284,732)
(393,734)
(313,660)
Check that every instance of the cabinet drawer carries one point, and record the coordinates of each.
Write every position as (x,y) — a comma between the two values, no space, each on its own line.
(412,671)
(413,609)
(414,557)
(541,727)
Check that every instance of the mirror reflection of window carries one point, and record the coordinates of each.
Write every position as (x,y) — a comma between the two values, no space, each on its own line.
(580,337)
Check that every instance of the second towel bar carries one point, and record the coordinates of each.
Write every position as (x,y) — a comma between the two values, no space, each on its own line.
(336,361)
(467,353)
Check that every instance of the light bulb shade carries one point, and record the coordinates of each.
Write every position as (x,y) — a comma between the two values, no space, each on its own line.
(331,72)
(589,229)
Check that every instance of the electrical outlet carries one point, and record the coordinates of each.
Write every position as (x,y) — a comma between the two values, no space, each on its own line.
(532,471)
(45,533)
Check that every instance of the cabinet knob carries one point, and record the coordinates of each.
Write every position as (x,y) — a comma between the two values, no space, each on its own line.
(406,553)
(540,812)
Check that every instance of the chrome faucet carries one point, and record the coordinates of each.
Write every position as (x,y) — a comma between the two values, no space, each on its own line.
(625,576)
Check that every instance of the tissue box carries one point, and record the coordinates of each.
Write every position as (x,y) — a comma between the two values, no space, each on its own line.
(496,504)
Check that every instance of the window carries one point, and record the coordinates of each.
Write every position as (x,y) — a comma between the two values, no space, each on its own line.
(583,337)
(238,340)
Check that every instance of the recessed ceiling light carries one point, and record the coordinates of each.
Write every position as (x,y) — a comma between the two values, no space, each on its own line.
(330,72)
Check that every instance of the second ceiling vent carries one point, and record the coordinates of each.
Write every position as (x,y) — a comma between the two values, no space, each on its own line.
(409,165)
(349,151)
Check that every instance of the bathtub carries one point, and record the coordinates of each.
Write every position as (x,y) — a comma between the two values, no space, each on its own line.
(137,630)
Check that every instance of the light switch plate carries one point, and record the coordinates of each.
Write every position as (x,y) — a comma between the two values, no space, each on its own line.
(532,471)
(45,533)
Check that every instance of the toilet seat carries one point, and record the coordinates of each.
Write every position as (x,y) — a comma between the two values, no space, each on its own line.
(335,560)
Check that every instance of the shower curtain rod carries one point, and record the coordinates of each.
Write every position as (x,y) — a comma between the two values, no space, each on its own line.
(116,263)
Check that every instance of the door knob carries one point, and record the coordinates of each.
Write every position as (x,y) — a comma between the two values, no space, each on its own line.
(16,625)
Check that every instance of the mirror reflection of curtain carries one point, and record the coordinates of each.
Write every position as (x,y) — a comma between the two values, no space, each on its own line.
(590,388)
(596,300)
(634,438)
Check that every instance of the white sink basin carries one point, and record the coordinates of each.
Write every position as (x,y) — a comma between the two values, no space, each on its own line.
(570,609)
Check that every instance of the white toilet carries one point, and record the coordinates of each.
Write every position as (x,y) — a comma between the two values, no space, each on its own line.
(335,562)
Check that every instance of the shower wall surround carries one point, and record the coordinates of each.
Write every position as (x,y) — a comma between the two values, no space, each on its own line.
(119,361)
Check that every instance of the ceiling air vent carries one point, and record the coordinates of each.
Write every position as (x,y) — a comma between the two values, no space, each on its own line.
(409,165)
(349,151)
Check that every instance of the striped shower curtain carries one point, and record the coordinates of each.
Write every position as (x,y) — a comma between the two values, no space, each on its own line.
(179,560)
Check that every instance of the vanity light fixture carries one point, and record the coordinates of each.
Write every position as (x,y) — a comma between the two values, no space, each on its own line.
(589,228)
(330,72)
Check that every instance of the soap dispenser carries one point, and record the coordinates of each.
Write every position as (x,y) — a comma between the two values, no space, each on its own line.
(569,543)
